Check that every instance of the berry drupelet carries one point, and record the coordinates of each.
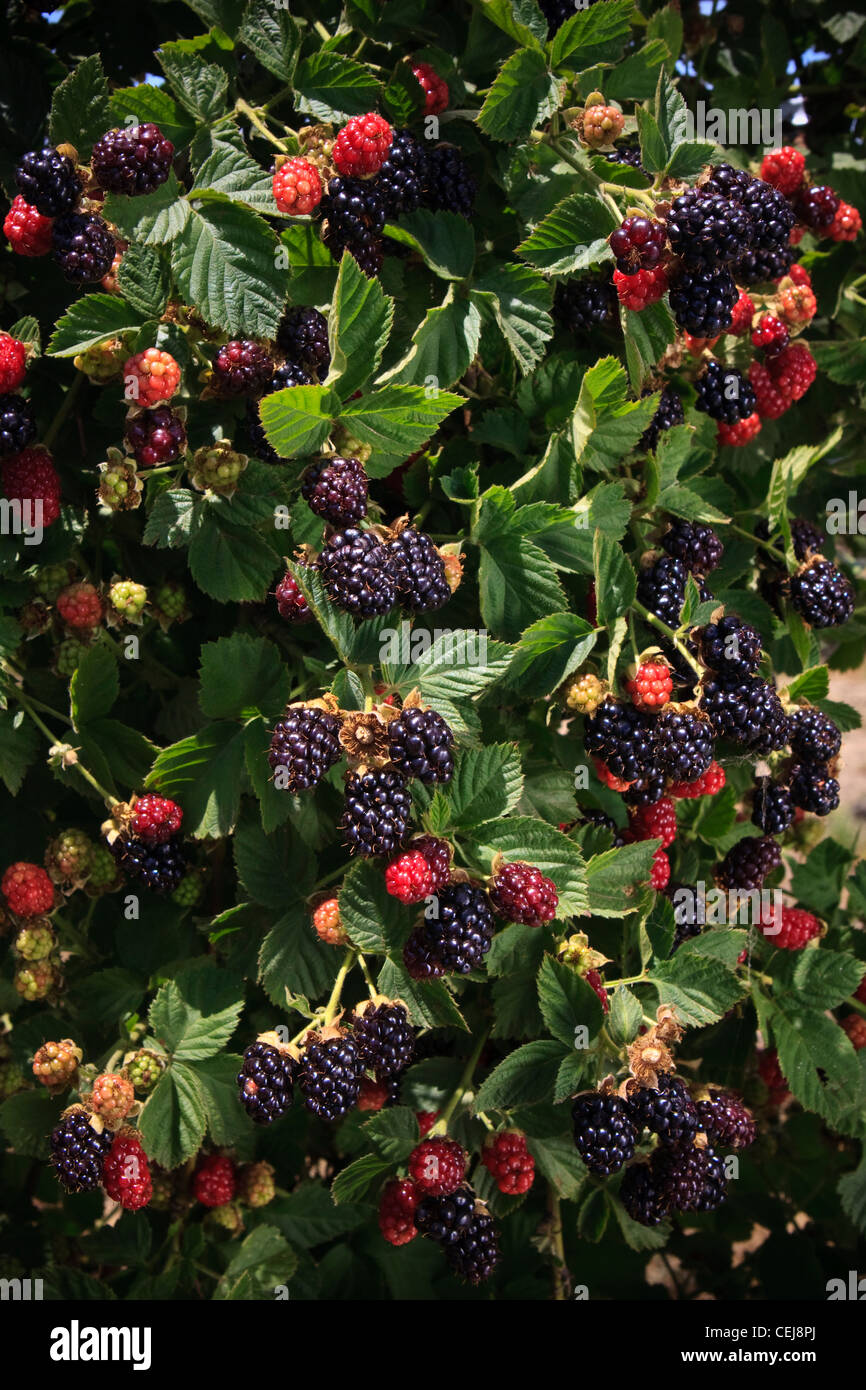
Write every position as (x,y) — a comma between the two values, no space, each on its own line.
(475,1254)
(376,811)
(355,215)
(48,181)
(747,711)
(336,490)
(155,819)
(458,938)
(444,1219)
(684,744)
(359,573)
(422,580)
(520,893)
(622,737)
(362,146)
(305,744)
(604,1132)
(303,336)
(437,1166)
(126,1173)
(291,603)
(134,160)
(420,744)
(661,588)
(399,1200)
(265,1082)
(329,1075)
(816,206)
(507,1160)
(29,233)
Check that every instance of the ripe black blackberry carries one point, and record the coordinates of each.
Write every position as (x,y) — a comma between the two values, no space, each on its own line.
(449,185)
(265,1082)
(748,862)
(772,806)
(78,1153)
(421,744)
(134,160)
(622,737)
(806,537)
(813,789)
(303,336)
(689,1179)
(669,412)
(816,205)
(769,212)
(626,153)
(646,791)
(697,546)
(822,594)
(604,1132)
(242,368)
(17,424)
(355,215)
(637,244)
(726,1121)
(402,178)
(83,247)
(661,588)
(359,573)
(446,1219)
(475,1254)
(731,646)
(708,230)
(641,1194)
(159,867)
(747,711)
(48,181)
(703,300)
(814,736)
(684,744)
(583,305)
(376,811)
(760,267)
(329,1075)
(422,583)
(667,1110)
(591,816)
(305,744)
(336,490)
(290,374)
(422,953)
(385,1038)
(724,393)
(459,936)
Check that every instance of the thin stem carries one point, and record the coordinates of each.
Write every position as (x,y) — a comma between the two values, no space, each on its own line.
(561,1275)
(88,776)
(669,633)
(332,1007)
(255,119)
(68,402)
(767,545)
(329,878)
(441,1125)
(368,978)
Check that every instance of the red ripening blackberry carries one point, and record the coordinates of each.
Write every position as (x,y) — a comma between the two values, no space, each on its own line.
(642,289)
(506,1158)
(707,230)
(403,177)
(409,878)
(329,1075)
(784,169)
(302,335)
(724,393)
(793,370)
(448,182)
(13,363)
(155,436)
(30,476)
(29,233)
(291,603)
(657,821)
(622,737)
(710,784)
(669,412)
(155,819)
(772,806)
(651,686)
(457,939)
(83,247)
(126,1173)
(726,1121)
(48,181)
(437,1166)
(436,855)
(583,305)
(731,646)
(814,738)
(290,374)
(362,146)
(638,244)
(159,867)
(520,893)
(666,1110)
(376,811)
(436,94)
(359,573)
(822,594)
(684,744)
(748,862)
(265,1082)
(475,1254)
(689,1179)
(697,546)
(397,1206)
(305,744)
(646,791)
(242,368)
(422,580)
(703,301)
(78,1152)
(444,1219)
(335,489)
(816,206)
(747,711)
(17,424)
(813,789)
(134,160)
(420,744)
(604,1133)
(355,215)
(215,1181)
(384,1037)
(661,588)
(771,335)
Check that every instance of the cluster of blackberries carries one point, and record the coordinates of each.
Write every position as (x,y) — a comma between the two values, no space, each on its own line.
(636,745)
(367,576)
(820,592)
(679,1175)
(808,784)
(464,1229)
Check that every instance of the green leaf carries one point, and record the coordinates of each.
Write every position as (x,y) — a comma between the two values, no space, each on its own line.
(230,562)
(394,1132)
(298,420)
(443,346)
(80,110)
(19,748)
(223,165)
(625,1017)
(444,240)
(615,580)
(204,773)
(647,335)
(395,421)
(359,324)
(821,979)
(487,782)
(148,103)
(843,360)
(548,652)
(194,1015)
(812,685)
(94,686)
(273,36)
(816,1058)
(518,584)
(200,87)
(152,218)
(453,665)
(429,1003)
(241,676)
(568,1004)
(127,754)
(520,300)
(404,98)
(852,1195)
(614,876)
(572,237)
(353,1183)
(331,87)
(91,320)
(700,990)
(174,1120)
(521,20)
(595,35)
(525,1077)
(224,262)
(274,869)
(293,961)
(559,1163)
(558,857)
(263,1263)
(143,278)
(523,95)
(26,1121)
(373,919)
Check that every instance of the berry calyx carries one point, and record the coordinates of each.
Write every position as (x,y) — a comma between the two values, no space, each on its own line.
(215,1181)
(155,819)
(27,889)
(506,1158)
(520,893)
(651,686)
(397,1206)
(437,1166)
(126,1173)
(150,376)
(362,145)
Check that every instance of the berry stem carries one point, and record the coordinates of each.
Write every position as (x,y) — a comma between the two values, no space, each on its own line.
(669,633)
(255,119)
(37,704)
(561,1275)
(767,545)
(365,971)
(332,1007)
(441,1126)
(24,701)
(65,409)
